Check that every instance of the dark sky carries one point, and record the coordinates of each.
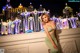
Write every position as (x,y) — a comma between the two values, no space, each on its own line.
(55,6)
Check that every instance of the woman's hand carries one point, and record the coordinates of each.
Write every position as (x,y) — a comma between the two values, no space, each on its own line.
(54,45)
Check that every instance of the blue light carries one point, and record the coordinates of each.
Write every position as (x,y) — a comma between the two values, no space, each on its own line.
(73,0)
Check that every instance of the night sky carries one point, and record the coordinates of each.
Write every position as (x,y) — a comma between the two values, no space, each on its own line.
(55,6)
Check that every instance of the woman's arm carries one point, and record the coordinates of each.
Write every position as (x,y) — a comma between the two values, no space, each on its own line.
(54,26)
(49,36)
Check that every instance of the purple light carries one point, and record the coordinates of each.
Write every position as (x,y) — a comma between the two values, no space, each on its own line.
(73,22)
(30,3)
(17,22)
(4,7)
(40,4)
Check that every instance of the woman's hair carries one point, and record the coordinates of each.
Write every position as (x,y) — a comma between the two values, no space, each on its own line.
(46,15)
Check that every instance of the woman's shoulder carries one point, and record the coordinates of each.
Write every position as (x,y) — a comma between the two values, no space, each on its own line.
(52,22)
(44,26)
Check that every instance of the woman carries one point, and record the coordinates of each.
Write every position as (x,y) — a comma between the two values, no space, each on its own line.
(49,28)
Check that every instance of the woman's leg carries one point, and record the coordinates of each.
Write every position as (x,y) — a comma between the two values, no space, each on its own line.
(49,44)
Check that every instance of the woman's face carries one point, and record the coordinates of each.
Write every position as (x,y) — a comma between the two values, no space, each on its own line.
(45,18)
